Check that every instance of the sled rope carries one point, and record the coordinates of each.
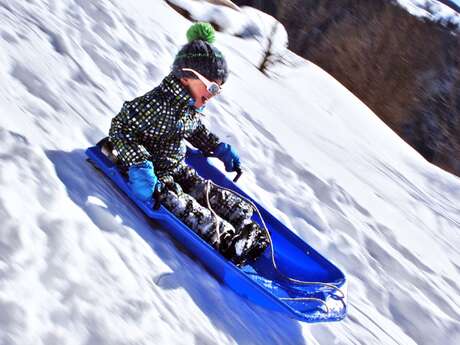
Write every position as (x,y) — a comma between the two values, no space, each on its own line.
(331,286)
(207,190)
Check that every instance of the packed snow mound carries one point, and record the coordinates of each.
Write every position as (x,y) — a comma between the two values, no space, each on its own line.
(79,264)
(247,22)
(432,9)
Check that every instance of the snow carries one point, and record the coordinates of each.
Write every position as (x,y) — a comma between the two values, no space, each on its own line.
(432,9)
(247,22)
(79,264)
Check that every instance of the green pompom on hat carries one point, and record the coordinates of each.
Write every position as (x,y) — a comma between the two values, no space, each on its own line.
(201,31)
(201,55)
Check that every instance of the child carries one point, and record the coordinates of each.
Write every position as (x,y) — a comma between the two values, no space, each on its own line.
(149,133)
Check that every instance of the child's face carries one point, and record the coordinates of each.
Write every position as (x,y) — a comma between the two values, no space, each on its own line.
(198,91)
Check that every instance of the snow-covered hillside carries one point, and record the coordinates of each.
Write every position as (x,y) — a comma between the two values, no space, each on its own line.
(79,264)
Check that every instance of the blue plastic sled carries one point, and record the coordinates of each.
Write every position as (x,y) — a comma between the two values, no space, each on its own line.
(322,299)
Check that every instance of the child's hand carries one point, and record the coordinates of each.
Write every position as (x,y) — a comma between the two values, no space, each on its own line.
(228,155)
(142,180)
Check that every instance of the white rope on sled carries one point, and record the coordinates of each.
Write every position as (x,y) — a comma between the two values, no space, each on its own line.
(313,299)
(207,190)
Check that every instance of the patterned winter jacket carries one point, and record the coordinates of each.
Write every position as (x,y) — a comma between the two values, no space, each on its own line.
(155,126)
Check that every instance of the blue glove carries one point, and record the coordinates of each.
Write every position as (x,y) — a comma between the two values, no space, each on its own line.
(142,180)
(228,155)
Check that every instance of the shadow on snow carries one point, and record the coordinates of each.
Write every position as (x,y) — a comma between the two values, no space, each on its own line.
(245,322)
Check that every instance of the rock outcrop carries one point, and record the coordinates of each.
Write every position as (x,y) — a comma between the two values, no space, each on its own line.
(405,68)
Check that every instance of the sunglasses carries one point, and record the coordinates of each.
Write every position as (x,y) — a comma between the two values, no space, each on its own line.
(212,87)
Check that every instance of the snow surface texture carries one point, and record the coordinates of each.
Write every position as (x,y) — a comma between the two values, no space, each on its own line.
(433,10)
(79,264)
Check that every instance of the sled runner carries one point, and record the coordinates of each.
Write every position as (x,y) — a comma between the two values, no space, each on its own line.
(290,278)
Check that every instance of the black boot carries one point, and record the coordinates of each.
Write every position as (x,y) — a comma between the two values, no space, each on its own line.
(248,244)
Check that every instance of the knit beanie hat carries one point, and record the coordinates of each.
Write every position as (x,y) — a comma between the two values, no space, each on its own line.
(200,55)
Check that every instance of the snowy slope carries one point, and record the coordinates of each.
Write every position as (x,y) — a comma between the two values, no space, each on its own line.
(79,264)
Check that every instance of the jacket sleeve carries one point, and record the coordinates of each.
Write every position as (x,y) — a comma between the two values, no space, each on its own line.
(203,139)
(124,134)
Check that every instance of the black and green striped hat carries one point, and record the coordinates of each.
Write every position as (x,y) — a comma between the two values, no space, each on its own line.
(199,54)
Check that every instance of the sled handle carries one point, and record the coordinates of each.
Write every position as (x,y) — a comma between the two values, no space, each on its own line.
(237,169)
(157,195)
(239,172)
